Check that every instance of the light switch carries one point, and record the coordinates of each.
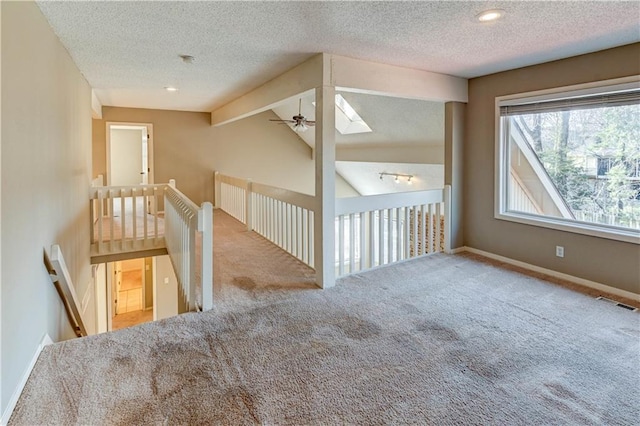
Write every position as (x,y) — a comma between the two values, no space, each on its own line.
(166,280)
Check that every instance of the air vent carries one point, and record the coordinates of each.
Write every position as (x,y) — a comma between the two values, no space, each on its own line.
(621,305)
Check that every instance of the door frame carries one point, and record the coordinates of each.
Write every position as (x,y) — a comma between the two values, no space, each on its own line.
(150,164)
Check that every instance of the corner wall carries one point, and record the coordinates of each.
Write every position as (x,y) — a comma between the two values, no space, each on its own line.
(604,261)
(46,164)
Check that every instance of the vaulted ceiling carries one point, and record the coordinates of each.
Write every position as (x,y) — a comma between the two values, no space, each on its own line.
(129,51)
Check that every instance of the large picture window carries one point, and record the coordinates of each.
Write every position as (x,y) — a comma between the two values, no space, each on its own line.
(571,160)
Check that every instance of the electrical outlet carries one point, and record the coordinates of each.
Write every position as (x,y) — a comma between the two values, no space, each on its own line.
(559,251)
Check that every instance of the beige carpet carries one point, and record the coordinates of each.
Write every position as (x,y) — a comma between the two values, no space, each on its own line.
(440,340)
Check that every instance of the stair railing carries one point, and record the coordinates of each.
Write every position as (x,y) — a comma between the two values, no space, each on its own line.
(189,239)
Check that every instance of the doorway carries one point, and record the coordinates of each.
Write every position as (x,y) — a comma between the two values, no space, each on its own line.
(130,286)
(129,154)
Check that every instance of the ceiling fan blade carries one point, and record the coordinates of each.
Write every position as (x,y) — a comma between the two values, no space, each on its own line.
(282,121)
(310,123)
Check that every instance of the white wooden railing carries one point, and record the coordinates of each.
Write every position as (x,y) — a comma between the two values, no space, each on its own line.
(285,218)
(371,231)
(378,230)
(189,240)
(127,219)
(281,216)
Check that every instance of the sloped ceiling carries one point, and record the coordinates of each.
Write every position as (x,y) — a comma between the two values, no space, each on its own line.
(129,50)
(393,121)
(365,177)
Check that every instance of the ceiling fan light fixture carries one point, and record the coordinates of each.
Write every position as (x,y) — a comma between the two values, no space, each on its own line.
(300,127)
(490,15)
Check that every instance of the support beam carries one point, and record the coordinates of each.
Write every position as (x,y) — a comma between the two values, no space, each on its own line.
(300,79)
(454,117)
(325,159)
(355,75)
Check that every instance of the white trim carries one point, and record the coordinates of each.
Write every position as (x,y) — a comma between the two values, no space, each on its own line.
(595,230)
(501,161)
(457,250)
(584,89)
(46,340)
(576,280)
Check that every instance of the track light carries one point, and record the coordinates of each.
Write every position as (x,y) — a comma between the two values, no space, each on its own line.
(397,176)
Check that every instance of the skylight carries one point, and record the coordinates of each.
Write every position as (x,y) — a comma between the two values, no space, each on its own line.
(348,121)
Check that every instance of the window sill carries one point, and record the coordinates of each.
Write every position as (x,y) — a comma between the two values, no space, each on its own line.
(584,228)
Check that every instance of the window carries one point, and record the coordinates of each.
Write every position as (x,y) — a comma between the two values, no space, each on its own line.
(570,160)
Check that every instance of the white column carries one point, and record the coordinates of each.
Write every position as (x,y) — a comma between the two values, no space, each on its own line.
(325,159)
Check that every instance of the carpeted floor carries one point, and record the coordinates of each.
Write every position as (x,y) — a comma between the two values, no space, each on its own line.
(440,340)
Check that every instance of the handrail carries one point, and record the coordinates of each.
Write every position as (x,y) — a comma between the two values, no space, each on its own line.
(129,219)
(387,201)
(371,231)
(125,218)
(382,229)
(189,240)
(291,197)
(284,217)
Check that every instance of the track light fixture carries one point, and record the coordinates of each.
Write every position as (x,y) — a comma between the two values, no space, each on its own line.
(397,176)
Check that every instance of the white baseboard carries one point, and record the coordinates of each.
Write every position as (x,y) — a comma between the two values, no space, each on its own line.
(556,274)
(46,340)
(457,250)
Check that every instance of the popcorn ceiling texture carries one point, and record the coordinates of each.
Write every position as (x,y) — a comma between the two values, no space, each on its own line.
(128,51)
(439,340)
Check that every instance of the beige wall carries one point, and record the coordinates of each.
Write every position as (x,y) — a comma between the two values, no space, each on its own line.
(46,165)
(187,148)
(166,289)
(601,260)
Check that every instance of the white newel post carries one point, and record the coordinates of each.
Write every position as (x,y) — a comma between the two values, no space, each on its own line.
(205,225)
(325,213)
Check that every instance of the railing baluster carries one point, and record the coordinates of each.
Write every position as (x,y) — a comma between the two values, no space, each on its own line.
(134,202)
(361,246)
(341,248)
(438,230)
(352,242)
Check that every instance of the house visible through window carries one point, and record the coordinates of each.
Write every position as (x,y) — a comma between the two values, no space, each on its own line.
(573,159)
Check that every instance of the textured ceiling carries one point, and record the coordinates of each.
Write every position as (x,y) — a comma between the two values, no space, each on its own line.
(392,120)
(128,51)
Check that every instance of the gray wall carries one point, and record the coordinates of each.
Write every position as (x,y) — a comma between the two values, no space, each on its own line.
(46,165)
(601,260)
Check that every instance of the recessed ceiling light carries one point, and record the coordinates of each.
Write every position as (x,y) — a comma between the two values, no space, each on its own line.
(490,15)
(171,89)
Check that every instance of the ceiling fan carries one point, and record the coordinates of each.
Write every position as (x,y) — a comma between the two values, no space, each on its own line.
(300,122)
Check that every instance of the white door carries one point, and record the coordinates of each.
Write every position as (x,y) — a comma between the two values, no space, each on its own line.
(129,154)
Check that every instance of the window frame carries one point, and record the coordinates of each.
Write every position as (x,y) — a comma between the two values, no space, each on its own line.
(502,160)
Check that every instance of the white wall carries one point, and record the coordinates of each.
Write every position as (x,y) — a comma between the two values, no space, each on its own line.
(166,289)
(419,154)
(46,162)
